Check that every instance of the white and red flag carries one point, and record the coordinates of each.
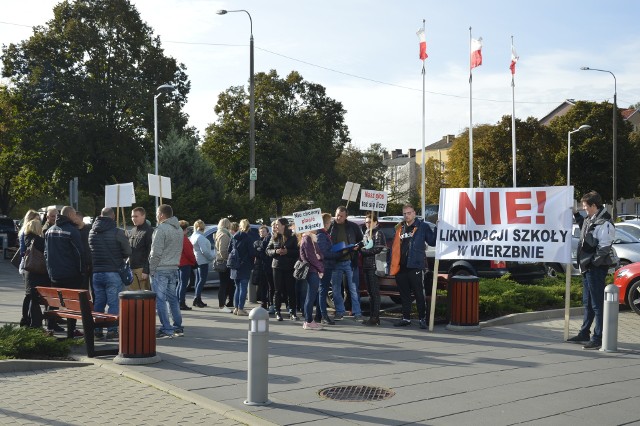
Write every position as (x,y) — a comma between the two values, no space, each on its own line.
(423,44)
(476,52)
(514,59)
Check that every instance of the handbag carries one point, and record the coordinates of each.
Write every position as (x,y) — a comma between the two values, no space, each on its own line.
(300,269)
(34,260)
(220,265)
(126,275)
(16,259)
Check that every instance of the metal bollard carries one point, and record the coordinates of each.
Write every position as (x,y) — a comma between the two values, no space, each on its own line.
(258,358)
(610,319)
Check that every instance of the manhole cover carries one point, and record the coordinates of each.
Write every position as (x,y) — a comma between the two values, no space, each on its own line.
(356,393)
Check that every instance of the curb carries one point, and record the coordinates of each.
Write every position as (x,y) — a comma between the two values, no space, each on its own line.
(225,410)
(530,316)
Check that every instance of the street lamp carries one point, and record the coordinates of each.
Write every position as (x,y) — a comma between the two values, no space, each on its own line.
(155,124)
(583,127)
(252,108)
(614,211)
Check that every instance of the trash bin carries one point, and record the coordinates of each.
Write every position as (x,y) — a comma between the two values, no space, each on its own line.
(463,300)
(137,328)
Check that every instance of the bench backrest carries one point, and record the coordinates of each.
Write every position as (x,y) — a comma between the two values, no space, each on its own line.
(65,298)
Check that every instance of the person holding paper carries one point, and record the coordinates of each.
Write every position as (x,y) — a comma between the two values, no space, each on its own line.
(349,235)
(374,242)
(140,241)
(283,248)
(408,262)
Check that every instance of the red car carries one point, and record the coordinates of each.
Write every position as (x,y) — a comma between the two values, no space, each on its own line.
(627,279)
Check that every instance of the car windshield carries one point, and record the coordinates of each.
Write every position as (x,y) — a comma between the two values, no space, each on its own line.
(624,238)
(633,230)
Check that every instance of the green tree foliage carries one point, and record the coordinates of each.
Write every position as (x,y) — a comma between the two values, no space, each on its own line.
(87,80)
(300,132)
(592,151)
(363,167)
(196,192)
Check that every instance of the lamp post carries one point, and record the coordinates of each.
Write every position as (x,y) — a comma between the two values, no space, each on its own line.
(252,109)
(155,124)
(614,211)
(583,127)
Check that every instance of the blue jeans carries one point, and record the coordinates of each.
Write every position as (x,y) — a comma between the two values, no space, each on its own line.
(240,296)
(323,292)
(313,284)
(165,283)
(185,275)
(593,301)
(201,277)
(341,268)
(106,287)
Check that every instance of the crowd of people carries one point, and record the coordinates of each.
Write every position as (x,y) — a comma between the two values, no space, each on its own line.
(92,257)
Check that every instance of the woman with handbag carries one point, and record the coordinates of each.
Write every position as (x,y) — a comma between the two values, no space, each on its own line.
(283,248)
(33,241)
(204,255)
(223,239)
(310,253)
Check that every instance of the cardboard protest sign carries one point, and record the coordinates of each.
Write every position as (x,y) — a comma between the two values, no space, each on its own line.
(510,224)
(350,192)
(373,200)
(119,195)
(307,220)
(159,186)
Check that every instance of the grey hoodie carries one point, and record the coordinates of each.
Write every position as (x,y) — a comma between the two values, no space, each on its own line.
(166,246)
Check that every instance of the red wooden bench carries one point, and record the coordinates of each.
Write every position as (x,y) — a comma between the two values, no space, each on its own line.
(76,304)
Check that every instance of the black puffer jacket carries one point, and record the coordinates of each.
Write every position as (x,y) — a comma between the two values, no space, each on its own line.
(109,245)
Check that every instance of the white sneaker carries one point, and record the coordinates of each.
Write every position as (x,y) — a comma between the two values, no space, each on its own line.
(311,326)
(225,310)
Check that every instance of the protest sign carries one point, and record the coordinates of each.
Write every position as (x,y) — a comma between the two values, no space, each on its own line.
(510,224)
(350,192)
(373,200)
(119,195)
(159,186)
(307,220)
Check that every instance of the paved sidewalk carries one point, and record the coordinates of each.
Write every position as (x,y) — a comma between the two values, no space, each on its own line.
(503,374)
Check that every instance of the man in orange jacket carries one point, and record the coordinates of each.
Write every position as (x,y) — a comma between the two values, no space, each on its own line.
(408,262)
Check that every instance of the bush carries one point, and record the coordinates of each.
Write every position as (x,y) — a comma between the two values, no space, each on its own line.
(32,343)
(503,296)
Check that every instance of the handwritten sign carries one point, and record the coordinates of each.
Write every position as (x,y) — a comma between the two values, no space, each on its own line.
(307,220)
(373,200)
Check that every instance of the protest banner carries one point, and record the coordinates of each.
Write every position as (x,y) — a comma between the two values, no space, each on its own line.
(510,224)
(307,220)
(373,200)
(159,186)
(350,192)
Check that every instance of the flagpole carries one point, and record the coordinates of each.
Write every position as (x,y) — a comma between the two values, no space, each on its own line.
(513,121)
(470,115)
(423,134)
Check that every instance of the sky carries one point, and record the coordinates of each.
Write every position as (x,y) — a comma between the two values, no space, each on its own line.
(366,54)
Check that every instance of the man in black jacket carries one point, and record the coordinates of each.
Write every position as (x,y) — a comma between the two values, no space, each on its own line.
(349,233)
(140,241)
(64,254)
(109,249)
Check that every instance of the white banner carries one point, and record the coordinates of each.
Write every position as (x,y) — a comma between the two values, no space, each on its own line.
(159,186)
(373,200)
(510,224)
(307,220)
(119,195)
(350,192)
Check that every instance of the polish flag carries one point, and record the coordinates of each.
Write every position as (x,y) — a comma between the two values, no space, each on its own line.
(476,52)
(423,44)
(514,59)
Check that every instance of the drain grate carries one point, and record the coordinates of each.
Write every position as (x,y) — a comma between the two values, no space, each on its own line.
(356,393)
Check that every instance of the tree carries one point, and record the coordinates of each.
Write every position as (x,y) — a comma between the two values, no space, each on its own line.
(592,151)
(300,132)
(197,194)
(87,80)
(363,167)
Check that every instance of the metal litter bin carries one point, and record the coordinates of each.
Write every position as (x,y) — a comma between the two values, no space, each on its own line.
(463,300)
(137,328)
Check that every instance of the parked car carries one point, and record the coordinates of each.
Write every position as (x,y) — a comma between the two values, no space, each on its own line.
(627,279)
(9,233)
(630,226)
